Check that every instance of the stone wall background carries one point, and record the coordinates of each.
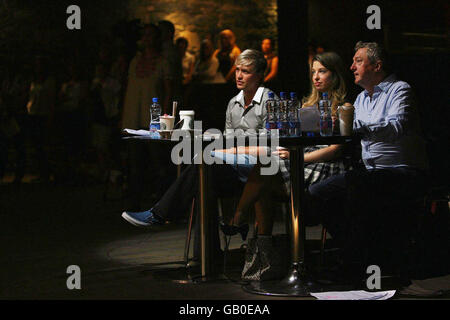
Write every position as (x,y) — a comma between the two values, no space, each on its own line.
(250,20)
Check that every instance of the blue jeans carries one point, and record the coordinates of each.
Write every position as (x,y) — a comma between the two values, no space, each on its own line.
(241,163)
(176,201)
(228,178)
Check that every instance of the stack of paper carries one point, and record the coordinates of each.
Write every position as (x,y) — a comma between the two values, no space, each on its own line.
(354,295)
(137,132)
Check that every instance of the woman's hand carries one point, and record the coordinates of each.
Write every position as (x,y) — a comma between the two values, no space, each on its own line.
(230,150)
(283,153)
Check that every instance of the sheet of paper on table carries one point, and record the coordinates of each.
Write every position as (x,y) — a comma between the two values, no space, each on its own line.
(354,295)
(310,119)
(137,132)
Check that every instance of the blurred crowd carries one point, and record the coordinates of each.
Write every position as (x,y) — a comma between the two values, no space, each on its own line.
(55,121)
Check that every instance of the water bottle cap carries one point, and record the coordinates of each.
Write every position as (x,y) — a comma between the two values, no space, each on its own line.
(155,100)
(325,95)
(293,94)
(282,94)
(271,95)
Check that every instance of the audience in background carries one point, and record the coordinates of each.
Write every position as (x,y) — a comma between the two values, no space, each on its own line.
(207,67)
(270,76)
(105,98)
(115,91)
(149,71)
(227,54)
(173,83)
(13,121)
(187,59)
(313,49)
(41,108)
(71,116)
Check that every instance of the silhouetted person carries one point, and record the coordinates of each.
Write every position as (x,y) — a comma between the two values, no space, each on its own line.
(207,67)
(41,107)
(13,121)
(227,54)
(172,88)
(187,59)
(270,76)
(71,116)
(148,72)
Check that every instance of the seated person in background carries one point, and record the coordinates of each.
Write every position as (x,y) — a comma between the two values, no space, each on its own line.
(207,67)
(246,113)
(272,61)
(327,75)
(187,59)
(355,205)
(227,54)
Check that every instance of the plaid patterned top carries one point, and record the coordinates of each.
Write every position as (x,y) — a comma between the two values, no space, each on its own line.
(314,172)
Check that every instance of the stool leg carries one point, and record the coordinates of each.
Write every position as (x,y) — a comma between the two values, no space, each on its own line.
(188,235)
(322,246)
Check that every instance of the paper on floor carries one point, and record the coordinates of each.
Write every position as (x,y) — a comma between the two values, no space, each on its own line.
(354,295)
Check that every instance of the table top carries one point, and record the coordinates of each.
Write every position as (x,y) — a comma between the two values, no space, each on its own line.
(244,140)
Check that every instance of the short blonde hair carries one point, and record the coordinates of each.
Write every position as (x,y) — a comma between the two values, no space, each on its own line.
(255,58)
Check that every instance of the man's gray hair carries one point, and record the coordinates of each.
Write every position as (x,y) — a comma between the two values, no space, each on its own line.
(375,52)
(255,58)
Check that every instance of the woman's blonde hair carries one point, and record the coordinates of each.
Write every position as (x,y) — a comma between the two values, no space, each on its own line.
(338,90)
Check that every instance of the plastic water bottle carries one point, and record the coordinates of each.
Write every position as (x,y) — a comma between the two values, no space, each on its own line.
(155,113)
(283,122)
(294,120)
(271,107)
(326,123)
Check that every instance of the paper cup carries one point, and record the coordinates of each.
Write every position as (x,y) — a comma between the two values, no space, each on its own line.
(188,119)
(346,120)
(166,122)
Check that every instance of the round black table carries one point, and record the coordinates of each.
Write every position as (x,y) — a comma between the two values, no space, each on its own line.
(297,282)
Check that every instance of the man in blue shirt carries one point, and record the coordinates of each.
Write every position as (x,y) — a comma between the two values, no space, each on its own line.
(355,206)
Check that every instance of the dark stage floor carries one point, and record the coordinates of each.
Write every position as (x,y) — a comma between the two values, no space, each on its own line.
(46,228)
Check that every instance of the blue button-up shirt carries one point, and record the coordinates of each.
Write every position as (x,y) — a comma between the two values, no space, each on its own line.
(390,126)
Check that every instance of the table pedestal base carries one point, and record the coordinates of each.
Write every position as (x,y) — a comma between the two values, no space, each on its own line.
(190,274)
(294,284)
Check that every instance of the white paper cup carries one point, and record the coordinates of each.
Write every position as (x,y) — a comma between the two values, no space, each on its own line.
(188,119)
(166,122)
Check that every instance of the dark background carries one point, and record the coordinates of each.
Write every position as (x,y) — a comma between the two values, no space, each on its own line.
(45,228)
(416,35)
(414,32)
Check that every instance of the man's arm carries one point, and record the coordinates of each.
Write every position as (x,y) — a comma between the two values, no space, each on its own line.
(396,122)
